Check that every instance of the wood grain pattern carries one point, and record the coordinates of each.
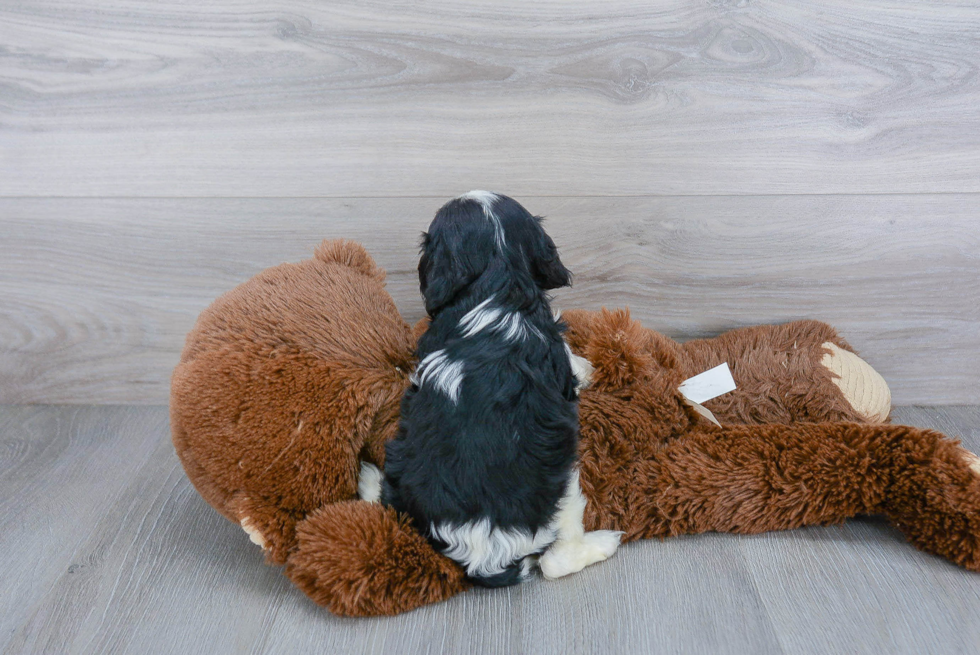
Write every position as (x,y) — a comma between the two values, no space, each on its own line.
(63,472)
(177,98)
(818,579)
(97,295)
(106,548)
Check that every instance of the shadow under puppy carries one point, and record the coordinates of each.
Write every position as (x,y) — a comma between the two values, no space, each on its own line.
(484,460)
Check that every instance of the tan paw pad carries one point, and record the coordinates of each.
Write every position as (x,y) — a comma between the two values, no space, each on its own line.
(862,386)
(972,461)
(253,534)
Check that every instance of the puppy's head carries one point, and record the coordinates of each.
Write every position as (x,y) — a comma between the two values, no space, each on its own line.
(481,232)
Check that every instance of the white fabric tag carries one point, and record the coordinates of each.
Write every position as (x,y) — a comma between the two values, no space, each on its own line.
(710,384)
(703,411)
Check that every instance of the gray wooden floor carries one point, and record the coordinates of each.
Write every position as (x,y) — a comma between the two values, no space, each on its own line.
(106,548)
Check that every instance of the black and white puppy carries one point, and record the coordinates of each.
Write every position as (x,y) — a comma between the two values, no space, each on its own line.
(484,461)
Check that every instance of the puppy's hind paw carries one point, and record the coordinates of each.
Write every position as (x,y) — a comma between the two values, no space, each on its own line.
(567,557)
(369,483)
(603,542)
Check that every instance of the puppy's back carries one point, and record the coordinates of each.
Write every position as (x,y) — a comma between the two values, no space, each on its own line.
(488,431)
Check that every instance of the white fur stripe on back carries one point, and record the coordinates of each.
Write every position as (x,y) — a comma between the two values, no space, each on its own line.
(479,318)
(512,325)
(444,373)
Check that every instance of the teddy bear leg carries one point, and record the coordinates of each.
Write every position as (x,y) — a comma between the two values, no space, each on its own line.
(935,497)
(267,525)
(363,559)
(799,371)
(574,549)
(752,479)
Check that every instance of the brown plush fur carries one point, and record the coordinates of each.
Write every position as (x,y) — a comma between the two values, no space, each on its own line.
(292,378)
(285,383)
(363,559)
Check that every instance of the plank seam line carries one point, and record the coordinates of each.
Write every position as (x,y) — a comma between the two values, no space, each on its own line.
(533,195)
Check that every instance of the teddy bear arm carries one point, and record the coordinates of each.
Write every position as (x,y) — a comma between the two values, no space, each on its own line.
(293,471)
(800,371)
(752,479)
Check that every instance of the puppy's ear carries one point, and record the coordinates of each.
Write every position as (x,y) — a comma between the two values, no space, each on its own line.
(451,260)
(545,264)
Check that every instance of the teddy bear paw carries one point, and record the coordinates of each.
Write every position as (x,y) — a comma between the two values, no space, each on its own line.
(972,461)
(862,386)
(567,557)
(253,534)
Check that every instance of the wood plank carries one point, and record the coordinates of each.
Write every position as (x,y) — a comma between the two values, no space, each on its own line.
(405,99)
(105,547)
(683,595)
(862,585)
(138,551)
(155,556)
(62,471)
(97,295)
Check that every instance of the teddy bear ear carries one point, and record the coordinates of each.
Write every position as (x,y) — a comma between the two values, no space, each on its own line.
(619,350)
(350,254)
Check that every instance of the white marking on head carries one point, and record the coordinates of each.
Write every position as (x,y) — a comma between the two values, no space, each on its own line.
(484,550)
(369,483)
(487,201)
(445,374)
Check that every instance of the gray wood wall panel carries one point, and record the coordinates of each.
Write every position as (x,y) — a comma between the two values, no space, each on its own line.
(300,98)
(97,295)
(711,164)
(106,548)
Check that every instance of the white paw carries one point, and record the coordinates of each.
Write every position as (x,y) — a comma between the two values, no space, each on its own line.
(369,483)
(567,557)
(582,370)
(253,534)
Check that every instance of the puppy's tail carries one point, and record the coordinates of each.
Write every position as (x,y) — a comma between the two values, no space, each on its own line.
(517,572)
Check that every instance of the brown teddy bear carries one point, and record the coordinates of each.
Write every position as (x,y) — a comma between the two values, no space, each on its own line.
(289,382)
